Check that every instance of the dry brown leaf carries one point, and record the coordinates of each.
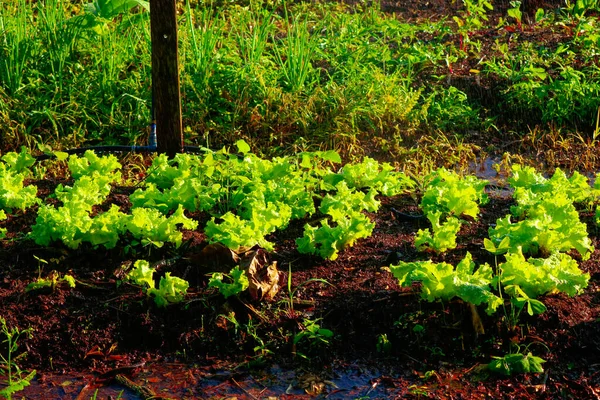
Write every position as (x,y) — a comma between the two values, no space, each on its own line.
(263,275)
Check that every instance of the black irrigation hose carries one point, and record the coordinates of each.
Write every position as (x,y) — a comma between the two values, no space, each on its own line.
(81,150)
(152,146)
(120,149)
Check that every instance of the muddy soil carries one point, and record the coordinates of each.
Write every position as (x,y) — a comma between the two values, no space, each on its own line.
(105,338)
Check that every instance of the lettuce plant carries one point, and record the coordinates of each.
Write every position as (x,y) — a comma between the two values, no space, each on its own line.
(239,282)
(327,241)
(370,174)
(539,276)
(345,209)
(170,289)
(13,171)
(2,230)
(547,218)
(443,236)
(441,281)
(18,162)
(447,198)
(236,232)
(149,225)
(91,164)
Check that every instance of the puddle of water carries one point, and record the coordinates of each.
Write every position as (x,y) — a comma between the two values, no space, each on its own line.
(71,386)
(181,381)
(484,169)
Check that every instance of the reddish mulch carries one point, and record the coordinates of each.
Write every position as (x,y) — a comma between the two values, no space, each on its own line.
(105,328)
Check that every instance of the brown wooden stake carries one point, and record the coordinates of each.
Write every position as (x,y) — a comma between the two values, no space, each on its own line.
(165,77)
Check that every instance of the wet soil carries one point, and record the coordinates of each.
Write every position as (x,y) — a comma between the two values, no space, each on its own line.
(106,338)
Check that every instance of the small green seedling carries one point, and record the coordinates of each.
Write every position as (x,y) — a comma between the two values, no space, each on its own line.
(52,281)
(314,334)
(15,380)
(516,364)
(383,344)
(171,289)
(239,282)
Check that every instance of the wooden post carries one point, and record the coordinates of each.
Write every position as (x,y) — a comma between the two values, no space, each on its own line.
(165,77)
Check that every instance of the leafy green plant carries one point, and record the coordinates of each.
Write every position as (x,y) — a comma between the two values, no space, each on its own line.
(564,99)
(239,282)
(538,276)
(370,174)
(451,110)
(517,363)
(521,300)
(150,226)
(447,197)
(52,281)
(313,334)
(2,230)
(578,8)
(327,241)
(549,221)
(383,344)
(14,168)
(442,281)
(448,192)
(443,236)
(474,16)
(171,289)
(15,380)
(90,164)
(19,162)
(73,224)
(236,233)
(515,12)
(530,187)
(552,226)
(345,209)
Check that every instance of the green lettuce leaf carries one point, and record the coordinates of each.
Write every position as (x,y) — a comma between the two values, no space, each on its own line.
(443,237)
(537,276)
(142,274)
(239,282)
(442,281)
(171,289)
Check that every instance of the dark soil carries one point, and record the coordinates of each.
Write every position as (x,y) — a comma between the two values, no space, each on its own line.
(106,335)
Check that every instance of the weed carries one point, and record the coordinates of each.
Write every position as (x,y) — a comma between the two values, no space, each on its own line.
(473,18)
(16,381)
(516,363)
(515,13)
(295,58)
(313,334)
(383,344)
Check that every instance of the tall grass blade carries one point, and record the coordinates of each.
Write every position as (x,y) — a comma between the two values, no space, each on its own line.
(296,56)
(16,47)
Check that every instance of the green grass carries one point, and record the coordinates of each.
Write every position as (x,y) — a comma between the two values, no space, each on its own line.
(288,77)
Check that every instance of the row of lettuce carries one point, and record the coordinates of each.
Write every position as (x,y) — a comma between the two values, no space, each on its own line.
(546,228)
(250,198)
